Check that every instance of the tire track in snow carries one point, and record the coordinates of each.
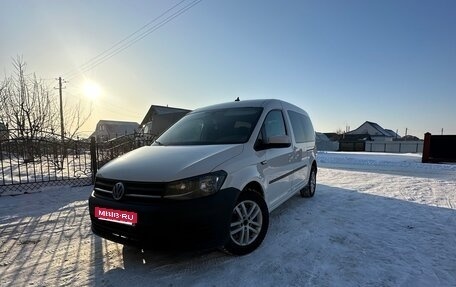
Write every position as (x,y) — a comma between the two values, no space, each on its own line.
(450,204)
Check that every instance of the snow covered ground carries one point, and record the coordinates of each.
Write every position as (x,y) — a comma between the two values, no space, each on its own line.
(376,220)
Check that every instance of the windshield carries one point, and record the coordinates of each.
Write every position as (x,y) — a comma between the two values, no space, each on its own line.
(224,126)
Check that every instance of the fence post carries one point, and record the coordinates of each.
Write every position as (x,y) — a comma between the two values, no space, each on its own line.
(93,158)
(426,148)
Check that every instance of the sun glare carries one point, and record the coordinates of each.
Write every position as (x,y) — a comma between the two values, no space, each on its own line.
(91,90)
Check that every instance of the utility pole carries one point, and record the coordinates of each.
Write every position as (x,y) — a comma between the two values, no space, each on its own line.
(62,129)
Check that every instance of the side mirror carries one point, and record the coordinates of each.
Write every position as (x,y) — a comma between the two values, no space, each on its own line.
(273,142)
(278,141)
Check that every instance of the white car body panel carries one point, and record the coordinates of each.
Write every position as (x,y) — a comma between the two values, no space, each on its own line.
(168,163)
(281,172)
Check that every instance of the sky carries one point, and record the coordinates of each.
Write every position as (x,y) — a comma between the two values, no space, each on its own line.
(344,62)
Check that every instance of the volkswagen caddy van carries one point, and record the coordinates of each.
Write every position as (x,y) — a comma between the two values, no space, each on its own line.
(211,180)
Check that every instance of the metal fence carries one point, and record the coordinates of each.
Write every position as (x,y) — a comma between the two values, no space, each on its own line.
(108,150)
(395,146)
(30,163)
(352,146)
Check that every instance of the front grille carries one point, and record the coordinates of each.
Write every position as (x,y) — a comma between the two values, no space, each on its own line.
(134,191)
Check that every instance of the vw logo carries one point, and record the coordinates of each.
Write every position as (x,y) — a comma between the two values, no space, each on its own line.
(118,191)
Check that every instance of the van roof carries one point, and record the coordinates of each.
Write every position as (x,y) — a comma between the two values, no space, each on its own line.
(253,103)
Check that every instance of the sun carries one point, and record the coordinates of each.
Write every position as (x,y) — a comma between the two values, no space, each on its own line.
(91,90)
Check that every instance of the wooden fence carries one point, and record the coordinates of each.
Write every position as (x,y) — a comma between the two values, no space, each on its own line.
(439,148)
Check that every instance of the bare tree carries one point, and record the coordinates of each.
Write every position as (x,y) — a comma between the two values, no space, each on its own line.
(339,131)
(75,118)
(2,100)
(29,108)
(32,112)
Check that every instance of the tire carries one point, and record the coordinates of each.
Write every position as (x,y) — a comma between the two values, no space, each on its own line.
(246,232)
(309,189)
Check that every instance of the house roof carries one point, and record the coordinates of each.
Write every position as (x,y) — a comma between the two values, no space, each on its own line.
(333,136)
(162,110)
(321,137)
(392,133)
(379,130)
(114,128)
(410,138)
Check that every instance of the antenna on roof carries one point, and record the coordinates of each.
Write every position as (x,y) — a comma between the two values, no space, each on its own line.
(237,99)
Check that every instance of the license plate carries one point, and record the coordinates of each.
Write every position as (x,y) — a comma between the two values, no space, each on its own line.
(119,216)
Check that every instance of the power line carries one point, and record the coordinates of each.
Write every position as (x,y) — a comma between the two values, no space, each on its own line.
(124,44)
(124,39)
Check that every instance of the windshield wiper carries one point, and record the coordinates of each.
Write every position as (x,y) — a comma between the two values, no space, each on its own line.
(157,143)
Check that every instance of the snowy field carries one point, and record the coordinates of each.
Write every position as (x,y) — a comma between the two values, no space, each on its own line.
(376,220)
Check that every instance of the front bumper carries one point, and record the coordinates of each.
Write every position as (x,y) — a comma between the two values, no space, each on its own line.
(196,223)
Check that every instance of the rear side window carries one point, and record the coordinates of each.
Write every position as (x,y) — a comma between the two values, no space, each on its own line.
(302,127)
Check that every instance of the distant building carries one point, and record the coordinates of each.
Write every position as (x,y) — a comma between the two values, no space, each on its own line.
(333,136)
(324,143)
(374,131)
(410,138)
(393,134)
(107,130)
(372,137)
(4,133)
(356,139)
(159,118)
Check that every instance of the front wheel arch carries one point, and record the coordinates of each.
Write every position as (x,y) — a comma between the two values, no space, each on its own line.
(248,224)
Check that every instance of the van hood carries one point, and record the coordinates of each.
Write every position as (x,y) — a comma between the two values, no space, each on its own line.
(168,163)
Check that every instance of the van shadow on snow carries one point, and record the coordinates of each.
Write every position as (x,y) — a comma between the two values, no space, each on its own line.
(50,200)
(45,248)
(339,237)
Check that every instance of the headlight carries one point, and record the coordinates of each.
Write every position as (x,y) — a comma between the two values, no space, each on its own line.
(194,187)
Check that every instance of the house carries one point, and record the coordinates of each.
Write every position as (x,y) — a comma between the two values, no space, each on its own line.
(410,138)
(4,133)
(159,118)
(353,142)
(324,143)
(375,132)
(372,137)
(107,130)
(333,136)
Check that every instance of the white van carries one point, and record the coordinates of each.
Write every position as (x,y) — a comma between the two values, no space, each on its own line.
(211,180)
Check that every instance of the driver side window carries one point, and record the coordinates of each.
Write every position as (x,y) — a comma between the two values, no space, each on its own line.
(273,125)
